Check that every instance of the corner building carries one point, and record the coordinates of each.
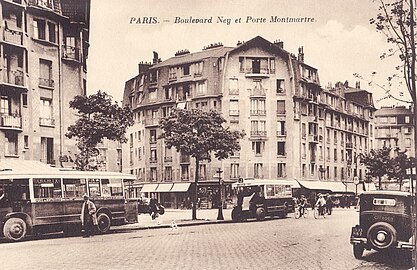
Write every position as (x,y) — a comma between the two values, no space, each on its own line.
(295,129)
(43,53)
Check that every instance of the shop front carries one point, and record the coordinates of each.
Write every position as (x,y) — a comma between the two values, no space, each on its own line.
(170,195)
(209,195)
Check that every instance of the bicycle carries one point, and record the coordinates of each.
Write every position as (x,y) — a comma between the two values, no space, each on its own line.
(317,214)
(298,214)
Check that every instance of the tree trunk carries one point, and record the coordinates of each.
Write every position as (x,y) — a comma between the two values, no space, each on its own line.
(379,183)
(195,189)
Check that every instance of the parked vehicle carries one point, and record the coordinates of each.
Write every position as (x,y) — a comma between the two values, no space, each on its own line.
(144,207)
(261,198)
(384,222)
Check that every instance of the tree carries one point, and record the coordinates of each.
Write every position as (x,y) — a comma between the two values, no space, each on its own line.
(396,20)
(99,118)
(400,164)
(199,134)
(378,162)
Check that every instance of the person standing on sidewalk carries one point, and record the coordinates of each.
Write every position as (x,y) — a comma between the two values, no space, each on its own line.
(88,216)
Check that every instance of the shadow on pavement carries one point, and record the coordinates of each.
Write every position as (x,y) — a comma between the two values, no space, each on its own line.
(395,259)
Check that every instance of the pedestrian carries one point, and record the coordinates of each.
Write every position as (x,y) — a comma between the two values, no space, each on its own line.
(88,216)
(321,204)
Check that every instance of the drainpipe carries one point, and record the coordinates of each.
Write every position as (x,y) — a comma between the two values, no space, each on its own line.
(61,120)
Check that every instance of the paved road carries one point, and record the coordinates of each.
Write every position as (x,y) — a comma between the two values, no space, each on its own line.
(271,244)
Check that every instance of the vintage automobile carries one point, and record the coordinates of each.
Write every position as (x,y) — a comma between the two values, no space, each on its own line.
(144,206)
(261,198)
(384,222)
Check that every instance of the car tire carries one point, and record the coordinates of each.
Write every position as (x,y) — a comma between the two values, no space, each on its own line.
(14,229)
(237,214)
(382,236)
(358,251)
(260,213)
(161,210)
(103,223)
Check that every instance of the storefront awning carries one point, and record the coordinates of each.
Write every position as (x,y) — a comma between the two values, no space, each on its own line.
(180,187)
(325,185)
(181,105)
(164,188)
(149,188)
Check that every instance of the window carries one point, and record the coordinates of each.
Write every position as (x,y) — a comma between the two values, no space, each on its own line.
(5,105)
(258,128)
(46,112)
(258,147)
(335,154)
(52,32)
(234,170)
(168,173)
(168,93)
(335,173)
(280,107)
(198,68)
(26,141)
(185,172)
(257,170)
(281,170)
(186,70)
(303,130)
(47,188)
(74,188)
(281,128)
(303,151)
(257,107)
(39,29)
(281,148)
(203,171)
(11,146)
(407,142)
(201,88)
(234,107)
(45,73)
(153,94)
(153,157)
(233,86)
(47,150)
(153,175)
(280,86)
(111,187)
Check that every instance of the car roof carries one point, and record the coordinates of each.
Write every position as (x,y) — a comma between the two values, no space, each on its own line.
(386,192)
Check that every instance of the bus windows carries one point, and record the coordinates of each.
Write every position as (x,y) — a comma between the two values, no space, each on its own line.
(74,188)
(47,188)
(16,190)
(112,187)
(94,187)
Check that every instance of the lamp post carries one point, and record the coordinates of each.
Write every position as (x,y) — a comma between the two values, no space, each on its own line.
(220,213)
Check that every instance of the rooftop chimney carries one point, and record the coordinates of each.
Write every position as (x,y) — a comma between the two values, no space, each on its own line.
(301,54)
(144,66)
(155,57)
(358,85)
(279,43)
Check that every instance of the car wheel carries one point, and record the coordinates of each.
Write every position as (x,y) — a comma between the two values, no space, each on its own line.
(237,214)
(358,251)
(260,213)
(103,223)
(382,236)
(14,229)
(161,210)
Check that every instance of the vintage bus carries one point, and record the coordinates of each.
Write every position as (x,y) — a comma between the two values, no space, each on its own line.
(258,198)
(39,199)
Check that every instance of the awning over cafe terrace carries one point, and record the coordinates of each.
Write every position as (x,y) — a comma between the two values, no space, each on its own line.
(163,187)
(326,186)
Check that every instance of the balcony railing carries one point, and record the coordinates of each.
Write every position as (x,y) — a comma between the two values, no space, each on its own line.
(281,112)
(185,159)
(258,112)
(41,3)
(233,112)
(349,145)
(152,121)
(261,71)
(10,121)
(46,122)
(46,82)
(12,36)
(168,159)
(70,52)
(233,91)
(281,133)
(14,77)
(257,133)
(153,160)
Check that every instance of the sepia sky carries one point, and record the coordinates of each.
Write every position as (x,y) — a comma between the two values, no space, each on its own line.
(338,43)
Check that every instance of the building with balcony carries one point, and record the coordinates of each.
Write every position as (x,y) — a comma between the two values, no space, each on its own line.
(43,52)
(394,128)
(295,128)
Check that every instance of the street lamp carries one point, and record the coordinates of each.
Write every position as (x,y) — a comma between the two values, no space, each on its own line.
(220,213)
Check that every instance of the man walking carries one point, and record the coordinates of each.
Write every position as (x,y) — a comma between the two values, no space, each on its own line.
(88,216)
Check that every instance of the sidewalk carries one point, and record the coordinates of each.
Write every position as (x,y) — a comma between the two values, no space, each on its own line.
(184,218)
(180,217)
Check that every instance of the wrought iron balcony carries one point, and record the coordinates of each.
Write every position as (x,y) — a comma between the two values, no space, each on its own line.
(12,36)
(71,53)
(13,77)
(257,133)
(46,122)
(11,122)
(46,82)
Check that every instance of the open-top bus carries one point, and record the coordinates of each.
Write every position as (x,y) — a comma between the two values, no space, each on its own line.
(261,198)
(36,199)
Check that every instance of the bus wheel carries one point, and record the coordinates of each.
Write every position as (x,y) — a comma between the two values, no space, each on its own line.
(237,214)
(104,222)
(14,229)
(260,213)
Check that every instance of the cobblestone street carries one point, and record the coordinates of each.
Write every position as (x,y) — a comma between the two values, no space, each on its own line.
(271,244)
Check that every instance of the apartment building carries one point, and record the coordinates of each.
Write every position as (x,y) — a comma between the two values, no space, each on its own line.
(44,47)
(295,128)
(394,128)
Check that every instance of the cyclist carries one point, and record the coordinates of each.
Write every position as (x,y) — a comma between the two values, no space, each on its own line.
(321,204)
(302,205)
